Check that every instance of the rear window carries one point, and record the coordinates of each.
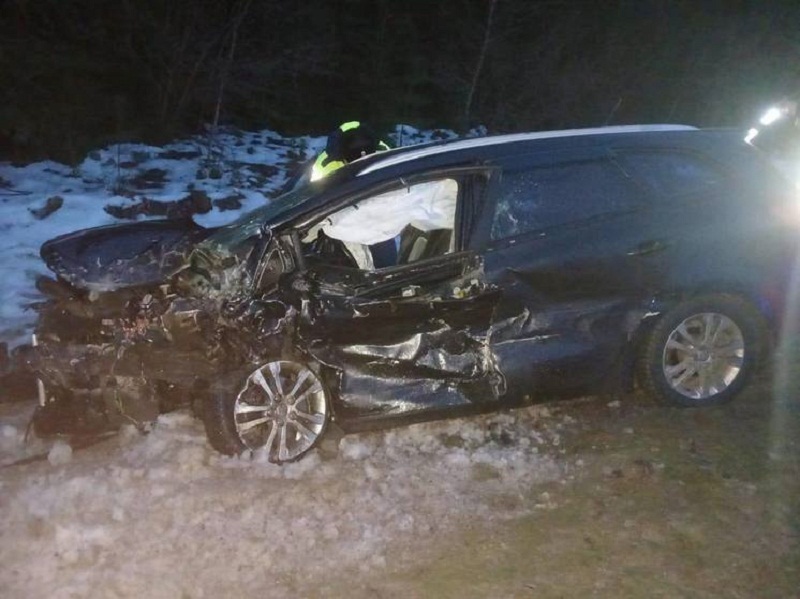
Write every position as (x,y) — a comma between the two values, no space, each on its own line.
(543,197)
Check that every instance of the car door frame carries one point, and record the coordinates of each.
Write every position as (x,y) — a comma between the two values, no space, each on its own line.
(391,289)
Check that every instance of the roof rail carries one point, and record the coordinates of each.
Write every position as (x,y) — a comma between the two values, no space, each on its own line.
(476,142)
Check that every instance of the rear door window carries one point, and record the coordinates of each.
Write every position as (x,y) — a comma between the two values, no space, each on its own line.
(542,197)
(671,173)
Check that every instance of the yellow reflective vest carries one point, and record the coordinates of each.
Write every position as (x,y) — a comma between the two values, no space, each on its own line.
(324,165)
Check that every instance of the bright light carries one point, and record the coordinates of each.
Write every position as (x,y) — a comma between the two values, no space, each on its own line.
(751,135)
(771,115)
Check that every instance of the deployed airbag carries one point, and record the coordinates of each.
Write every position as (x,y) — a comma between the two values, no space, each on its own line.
(426,206)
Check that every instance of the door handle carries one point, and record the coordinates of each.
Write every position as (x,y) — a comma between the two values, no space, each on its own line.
(648,247)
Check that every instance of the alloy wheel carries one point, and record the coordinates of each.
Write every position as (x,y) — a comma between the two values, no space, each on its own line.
(282,408)
(703,355)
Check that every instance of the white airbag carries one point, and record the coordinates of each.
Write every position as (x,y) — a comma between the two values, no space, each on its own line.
(426,206)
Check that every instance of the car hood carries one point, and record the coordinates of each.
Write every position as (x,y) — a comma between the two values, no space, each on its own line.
(128,255)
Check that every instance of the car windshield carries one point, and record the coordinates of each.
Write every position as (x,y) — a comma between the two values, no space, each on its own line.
(249,224)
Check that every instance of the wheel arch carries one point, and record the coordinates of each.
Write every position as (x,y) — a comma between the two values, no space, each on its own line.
(764,300)
(657,305)
(650,337)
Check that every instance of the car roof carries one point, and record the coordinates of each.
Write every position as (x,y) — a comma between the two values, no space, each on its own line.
(376,168)
(409,153)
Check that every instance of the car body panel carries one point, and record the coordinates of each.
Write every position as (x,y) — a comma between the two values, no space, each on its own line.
(404,336)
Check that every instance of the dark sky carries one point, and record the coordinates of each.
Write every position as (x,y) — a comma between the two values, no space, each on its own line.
(83,72)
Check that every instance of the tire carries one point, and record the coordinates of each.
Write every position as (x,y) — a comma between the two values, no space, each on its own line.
(282,408)
(703,351)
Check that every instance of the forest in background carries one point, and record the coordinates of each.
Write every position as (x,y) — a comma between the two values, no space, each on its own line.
(82,73)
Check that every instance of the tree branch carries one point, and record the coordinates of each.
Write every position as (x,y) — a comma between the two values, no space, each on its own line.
(481,60)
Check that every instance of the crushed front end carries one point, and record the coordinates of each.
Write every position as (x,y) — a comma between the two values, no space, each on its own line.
(153,330)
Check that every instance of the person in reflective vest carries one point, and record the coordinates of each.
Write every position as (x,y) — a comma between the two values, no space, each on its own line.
(350,141)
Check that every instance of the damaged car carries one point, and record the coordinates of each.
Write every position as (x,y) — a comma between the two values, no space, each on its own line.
(430,281)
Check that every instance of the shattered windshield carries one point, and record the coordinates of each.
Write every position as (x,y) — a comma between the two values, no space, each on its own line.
(248,225)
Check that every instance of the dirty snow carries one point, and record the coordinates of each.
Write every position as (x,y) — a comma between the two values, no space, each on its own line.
(163,515)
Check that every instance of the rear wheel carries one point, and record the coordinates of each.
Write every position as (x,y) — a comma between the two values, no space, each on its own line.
(281,407)
(703,351)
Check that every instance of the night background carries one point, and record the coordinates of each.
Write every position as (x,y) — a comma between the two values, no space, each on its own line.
(82,73)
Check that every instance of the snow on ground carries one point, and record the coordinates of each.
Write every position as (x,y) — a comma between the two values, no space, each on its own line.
(163,515)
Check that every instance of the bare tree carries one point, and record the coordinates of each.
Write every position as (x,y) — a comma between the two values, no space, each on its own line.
(239,15)
(481,59)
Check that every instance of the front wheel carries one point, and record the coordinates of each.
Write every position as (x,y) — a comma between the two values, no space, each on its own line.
(703,351)
(282,407)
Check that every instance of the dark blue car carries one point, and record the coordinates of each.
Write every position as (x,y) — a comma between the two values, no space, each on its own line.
(432,281)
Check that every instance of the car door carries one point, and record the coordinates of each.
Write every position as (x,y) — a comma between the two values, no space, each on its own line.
(407,338)
(563,235)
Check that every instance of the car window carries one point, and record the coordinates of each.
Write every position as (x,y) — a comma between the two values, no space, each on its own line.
(542,197)
(401,226)
(670,173)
